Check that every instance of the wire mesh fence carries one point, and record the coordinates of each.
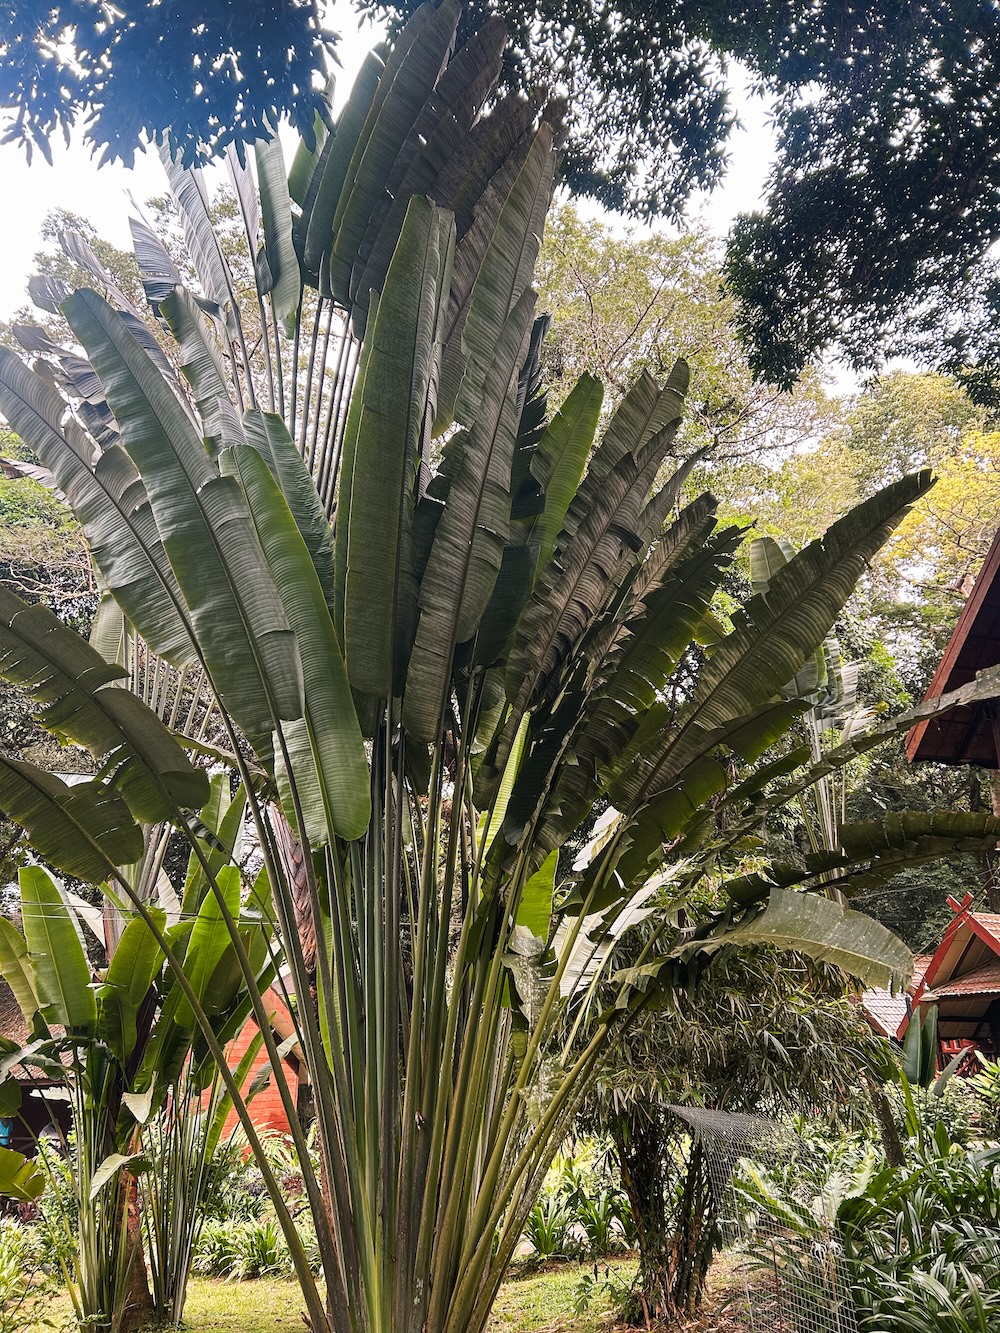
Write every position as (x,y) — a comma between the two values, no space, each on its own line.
(787,1271)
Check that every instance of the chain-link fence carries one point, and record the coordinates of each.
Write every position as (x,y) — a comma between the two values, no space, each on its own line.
(787,1271)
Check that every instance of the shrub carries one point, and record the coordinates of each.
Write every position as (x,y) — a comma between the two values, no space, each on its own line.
(582,1211)
(245,1250)
(919,1244)
(20,1268)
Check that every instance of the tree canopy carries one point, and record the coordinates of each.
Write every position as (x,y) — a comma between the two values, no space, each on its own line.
(883,202)
(880,212)
(210,72)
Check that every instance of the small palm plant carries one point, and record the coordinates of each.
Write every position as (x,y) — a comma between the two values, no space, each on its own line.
(424,701)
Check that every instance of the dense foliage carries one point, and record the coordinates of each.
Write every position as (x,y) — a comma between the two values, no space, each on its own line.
(898,95)
(211,74)
(881,208)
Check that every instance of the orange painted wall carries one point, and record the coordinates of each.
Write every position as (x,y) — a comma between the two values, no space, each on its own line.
(266,1109)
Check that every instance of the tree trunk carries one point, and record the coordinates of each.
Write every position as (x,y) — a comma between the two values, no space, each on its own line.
(887,1126)
(136,1309)
(674,1212)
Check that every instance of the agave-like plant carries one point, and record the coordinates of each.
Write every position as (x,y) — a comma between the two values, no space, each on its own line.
(425,700)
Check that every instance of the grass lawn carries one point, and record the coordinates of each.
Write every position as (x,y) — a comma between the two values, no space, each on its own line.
(532,1300)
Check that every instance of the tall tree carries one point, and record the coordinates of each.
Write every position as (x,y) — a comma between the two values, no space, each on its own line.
(882,207)
(880,213)
(624,304)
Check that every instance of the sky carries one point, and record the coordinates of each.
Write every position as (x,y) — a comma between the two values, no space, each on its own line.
(74,182)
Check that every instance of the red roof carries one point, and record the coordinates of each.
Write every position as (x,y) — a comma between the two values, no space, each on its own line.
(965,735)
(888,1012)
(971,941)
(984,981)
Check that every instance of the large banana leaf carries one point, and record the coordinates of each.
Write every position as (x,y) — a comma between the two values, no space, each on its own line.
(469,539)
(828,933)
(85,830)
(19,1178)
(517,566)
(202,518)
(209,941)
(504,274)
(561,458)
(137,957)
(62,973)
(412,70)
(77,689)
(639,669)
(16,970)
(771,639)
(222,818)
(326,753)
(203,244)
(203,367)
(110,504)
(439,132)
(597,532)
(387,427)
(276,216)
(267,433)
(313,233)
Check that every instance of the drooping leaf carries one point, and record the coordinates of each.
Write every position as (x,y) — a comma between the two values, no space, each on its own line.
(135,1163)
(202,518)
(828,933)
(85,830)
(77,690)
(110,504)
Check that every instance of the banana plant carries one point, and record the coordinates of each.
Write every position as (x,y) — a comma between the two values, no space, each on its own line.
(506,624)
(119,1045)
